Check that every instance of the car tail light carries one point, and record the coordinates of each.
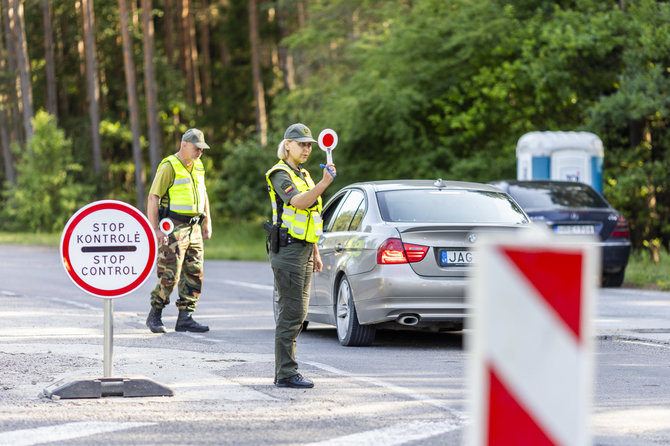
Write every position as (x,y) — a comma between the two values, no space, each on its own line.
(394,251)
(621,228)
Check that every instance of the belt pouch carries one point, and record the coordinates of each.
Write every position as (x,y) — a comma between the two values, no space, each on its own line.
(283,236)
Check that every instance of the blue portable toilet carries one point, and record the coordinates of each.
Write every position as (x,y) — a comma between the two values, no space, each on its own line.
(568,156)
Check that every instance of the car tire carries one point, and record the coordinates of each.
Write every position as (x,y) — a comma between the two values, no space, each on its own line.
(613,280)
(349,331)
(275,308)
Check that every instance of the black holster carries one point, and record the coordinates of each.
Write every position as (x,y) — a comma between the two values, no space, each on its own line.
(272,241)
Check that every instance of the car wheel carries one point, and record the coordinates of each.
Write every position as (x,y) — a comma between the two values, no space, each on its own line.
(612,280)
(349,331)
(275,308)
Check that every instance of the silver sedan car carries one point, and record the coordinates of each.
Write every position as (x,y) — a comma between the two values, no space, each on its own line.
(398,253)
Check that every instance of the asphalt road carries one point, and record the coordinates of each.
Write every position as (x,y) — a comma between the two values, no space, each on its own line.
(408,388)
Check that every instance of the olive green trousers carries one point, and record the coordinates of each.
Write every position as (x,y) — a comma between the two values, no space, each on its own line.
(293,289)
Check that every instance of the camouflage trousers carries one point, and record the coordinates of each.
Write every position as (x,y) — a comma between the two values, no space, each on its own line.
(180,259)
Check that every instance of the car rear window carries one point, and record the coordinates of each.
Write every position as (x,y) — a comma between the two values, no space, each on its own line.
(448,206)
(551,196)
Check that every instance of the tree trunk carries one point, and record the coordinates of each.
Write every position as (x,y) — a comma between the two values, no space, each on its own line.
(285,55)
(60,31)
(8,159)
(129,68)
(259,94)
(225,53)
(150,86)
(204,55)
(52,101)
(195,75)
(92,83)
(103,99)
(13,110)
(24,68)
(168,19)
(302,14)
(134,16)
(652,199)
(183,37)
(81,50)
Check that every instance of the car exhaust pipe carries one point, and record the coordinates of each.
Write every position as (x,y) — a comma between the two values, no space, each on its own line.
(408,319)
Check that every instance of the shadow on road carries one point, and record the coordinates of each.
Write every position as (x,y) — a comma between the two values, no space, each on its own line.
(395,338)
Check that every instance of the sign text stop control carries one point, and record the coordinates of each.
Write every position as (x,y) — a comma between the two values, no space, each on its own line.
(108,248)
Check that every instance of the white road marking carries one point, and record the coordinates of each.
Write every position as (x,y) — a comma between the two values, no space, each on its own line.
(393,435)
(73,303)
(392,387)
(646,343)
(245,284)
(201,337)
(67,431)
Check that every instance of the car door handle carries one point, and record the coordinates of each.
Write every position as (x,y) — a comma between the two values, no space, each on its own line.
(339,247)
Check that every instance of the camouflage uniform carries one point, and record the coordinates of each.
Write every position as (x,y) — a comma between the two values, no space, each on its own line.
(178,192)
(180,260)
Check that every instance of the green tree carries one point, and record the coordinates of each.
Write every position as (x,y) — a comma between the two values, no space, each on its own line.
(633,117)
(241,189)
(47,190)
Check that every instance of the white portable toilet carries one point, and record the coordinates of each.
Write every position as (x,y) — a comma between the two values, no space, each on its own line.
(568,156)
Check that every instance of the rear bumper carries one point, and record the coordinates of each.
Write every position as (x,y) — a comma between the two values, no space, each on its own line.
(384,294)
(615,256)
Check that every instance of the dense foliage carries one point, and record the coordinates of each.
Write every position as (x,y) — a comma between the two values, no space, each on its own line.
(49,186)
(414,88)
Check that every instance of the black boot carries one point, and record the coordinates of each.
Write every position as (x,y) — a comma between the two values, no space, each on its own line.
(186,323)
(154,321)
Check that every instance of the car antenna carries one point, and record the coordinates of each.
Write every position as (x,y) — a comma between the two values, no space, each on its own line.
(439,183)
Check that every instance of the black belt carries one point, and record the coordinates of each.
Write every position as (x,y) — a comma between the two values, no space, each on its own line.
(292,240)
(186,219)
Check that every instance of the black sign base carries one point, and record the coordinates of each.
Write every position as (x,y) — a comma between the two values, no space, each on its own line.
(103,387)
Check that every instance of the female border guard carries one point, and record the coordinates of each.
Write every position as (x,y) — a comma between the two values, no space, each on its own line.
(296,214)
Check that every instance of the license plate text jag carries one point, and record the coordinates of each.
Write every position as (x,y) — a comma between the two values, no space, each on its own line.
(456,257)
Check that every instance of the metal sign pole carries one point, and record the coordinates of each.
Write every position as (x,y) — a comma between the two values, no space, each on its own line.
(109,337)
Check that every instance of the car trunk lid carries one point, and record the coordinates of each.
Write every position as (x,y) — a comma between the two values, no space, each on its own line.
(450,247)
(599,222)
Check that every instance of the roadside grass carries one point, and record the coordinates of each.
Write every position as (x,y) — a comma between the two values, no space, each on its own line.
(25,238)
(237,241)
(230,241)
(246,241)
(642,272)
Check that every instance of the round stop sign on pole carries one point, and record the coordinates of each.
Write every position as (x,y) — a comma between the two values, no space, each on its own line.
(108,248)
(327,142)
(327,139)
(166,226)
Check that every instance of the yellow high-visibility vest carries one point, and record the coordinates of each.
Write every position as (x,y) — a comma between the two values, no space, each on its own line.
(301,224)
(187,193)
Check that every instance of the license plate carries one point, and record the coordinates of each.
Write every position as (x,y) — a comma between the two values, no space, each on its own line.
(455,258)
(574,229)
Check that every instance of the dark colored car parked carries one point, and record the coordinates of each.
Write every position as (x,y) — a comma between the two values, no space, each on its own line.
(569,207)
